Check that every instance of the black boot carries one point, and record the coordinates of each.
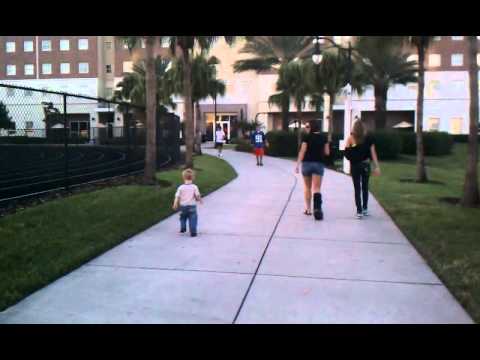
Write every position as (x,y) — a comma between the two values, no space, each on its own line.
(317,206)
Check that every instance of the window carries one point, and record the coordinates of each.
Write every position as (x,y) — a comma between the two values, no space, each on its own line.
(65,68)
(46,45)
(457,59)
(412,87)
(166,41)
(28,46)
(127,66)
(28,92)
(10,92)
(458,86)
(437,38)
(64,45)
(108,45)
(433,124)
(108,69)
(82,44)
(457,38)
(434,60)
(456,125)
(83,68)
(28,69)
(143,43)
(28,125)
(10,46)
(11,70)
(433,87)
(46,69)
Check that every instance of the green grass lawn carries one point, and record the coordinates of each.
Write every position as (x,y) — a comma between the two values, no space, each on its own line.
(447,236)
(42,243)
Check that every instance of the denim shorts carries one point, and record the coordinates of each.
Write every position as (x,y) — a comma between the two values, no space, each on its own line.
(310,168)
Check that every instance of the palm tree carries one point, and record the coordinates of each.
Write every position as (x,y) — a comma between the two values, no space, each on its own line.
(272,53)
(384,64)
(293,84)
(471,195)
(204,84)
(132,89)
(421,43)
(183,47)
(150,102)
(330,77)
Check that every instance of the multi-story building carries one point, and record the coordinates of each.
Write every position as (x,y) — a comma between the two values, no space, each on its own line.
(93,65)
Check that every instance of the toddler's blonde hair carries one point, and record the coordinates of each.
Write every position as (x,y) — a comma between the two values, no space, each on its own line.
(188,174)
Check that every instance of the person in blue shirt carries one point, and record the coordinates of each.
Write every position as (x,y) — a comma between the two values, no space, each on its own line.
(258,142)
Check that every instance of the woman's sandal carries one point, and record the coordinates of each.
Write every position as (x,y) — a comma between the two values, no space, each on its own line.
(306,212)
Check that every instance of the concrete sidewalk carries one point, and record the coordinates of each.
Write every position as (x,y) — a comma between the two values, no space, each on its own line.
(258,259)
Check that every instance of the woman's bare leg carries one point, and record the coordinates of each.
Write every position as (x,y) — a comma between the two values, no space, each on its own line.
(316,183)
(308,193)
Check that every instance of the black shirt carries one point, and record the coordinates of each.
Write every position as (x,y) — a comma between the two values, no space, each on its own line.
(315,147)
(360,152)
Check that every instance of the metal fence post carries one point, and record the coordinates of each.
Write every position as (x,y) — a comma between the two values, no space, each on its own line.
(126,127)
(65,127)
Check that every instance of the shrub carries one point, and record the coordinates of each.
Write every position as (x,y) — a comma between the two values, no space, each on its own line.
(435,143)
(388,144)
(243,145)
(463,138)
(22,140)
(282,143)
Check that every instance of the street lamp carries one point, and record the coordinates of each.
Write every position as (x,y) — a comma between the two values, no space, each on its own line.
(347,122)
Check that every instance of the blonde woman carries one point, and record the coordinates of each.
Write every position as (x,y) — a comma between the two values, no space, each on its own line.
(360,149)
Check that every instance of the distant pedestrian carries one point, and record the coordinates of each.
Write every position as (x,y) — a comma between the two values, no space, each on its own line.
(360,149)
(219,140)
(314,149)
(186,199)
(258,142)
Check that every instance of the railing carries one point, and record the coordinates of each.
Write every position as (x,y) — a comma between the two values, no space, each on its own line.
(51,140)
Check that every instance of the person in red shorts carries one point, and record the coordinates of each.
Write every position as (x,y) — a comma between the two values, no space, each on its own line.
(258,142)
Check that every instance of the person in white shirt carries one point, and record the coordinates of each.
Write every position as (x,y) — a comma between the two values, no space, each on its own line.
(186,199)
(219,139)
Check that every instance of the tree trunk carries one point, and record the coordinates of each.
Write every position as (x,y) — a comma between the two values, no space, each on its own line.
(151,109)
(471,196)
(285,112)
(380,106)
(198,129)
(421,169)
(331,99)
(187,96)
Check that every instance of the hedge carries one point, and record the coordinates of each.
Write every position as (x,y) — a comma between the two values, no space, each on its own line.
(435,143)
(463,138)
(283,143)
(387,144)
(22,140)
(243,145)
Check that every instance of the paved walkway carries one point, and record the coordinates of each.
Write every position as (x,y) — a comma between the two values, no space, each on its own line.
(258,259)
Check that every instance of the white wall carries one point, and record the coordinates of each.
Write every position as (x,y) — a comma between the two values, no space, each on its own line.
(24,107)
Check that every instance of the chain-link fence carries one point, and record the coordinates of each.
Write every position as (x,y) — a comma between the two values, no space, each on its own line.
(51,140)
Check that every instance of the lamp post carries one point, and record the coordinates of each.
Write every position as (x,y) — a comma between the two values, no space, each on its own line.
(347,122)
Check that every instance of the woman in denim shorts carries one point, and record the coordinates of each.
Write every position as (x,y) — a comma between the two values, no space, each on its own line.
(313,151)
